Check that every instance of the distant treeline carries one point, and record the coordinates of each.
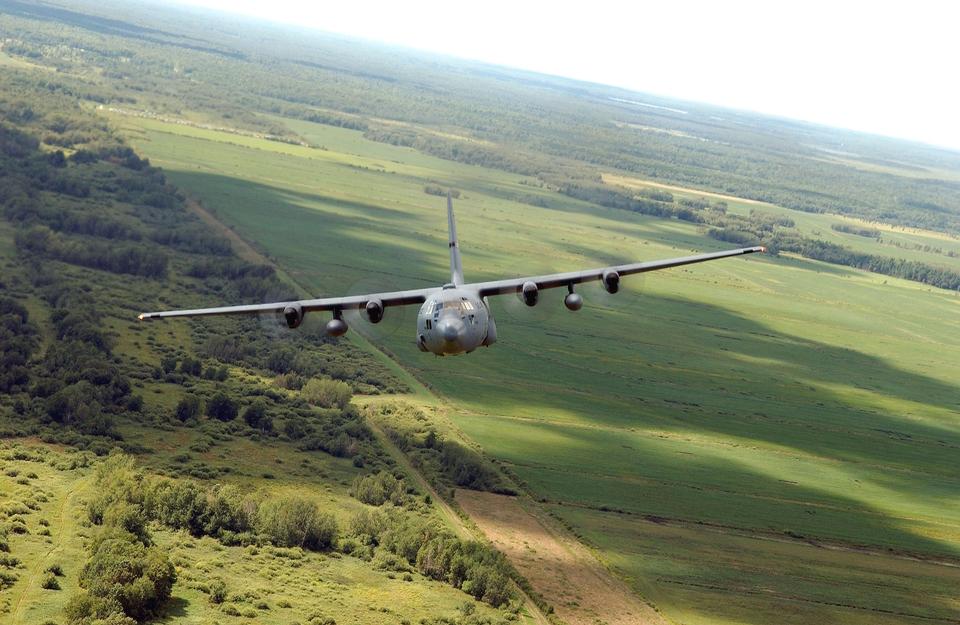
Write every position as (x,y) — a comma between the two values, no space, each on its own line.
(775,232)
(896,267)
(871,233)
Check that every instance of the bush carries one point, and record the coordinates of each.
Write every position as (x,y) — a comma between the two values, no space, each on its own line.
(218,591)
(477,569)
(294,522)
(49,582)
(122,571)
(378,488)
(187,408)
(222,407)
(256,417)
(327,393)
(190,366)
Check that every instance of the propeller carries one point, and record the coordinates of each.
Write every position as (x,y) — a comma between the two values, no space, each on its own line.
(374,321)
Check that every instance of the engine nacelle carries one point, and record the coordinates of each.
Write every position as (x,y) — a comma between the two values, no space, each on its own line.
(611,281)
(530,293)
(293,316)
(336,327)
(374,310)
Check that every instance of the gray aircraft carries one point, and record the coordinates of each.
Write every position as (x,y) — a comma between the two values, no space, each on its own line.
(454,318)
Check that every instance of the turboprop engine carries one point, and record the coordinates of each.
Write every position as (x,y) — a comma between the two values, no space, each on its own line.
(293,316)
(611,281)
(374,309)
(530,293)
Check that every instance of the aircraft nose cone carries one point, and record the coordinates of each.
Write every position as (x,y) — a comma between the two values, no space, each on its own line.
(450,331)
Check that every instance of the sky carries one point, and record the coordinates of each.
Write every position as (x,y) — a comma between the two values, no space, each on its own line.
(884,67)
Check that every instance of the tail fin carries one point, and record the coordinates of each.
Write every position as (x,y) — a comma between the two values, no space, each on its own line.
(456,266)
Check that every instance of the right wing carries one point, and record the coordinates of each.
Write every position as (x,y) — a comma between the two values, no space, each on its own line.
(514,285)
(395,298)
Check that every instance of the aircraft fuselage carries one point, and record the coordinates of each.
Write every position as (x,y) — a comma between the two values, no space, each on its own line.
(454,321)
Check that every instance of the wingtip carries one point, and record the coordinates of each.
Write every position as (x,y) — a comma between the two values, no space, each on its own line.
(141,316)
(763,249)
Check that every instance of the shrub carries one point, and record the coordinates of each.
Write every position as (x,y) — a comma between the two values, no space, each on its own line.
(190,366)
(290,381)
(124,572)
(255,415)
(327,393)
(378,488)
(294,522)
(49,582)
(188,408)
(218,591)
(222,407)
(369,525)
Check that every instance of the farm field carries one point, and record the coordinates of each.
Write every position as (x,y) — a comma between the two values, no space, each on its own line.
(773,398)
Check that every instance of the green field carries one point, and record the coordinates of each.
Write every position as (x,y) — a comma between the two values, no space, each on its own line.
(270,585)
(770,409)
(902,242)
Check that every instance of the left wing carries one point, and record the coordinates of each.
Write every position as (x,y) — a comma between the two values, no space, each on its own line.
(609,275)
(395,298)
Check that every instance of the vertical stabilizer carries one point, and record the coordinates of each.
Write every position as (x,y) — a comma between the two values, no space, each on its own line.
(456,267)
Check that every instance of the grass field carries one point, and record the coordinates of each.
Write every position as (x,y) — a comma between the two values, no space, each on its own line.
(908,243)
(764,398)
(280,586)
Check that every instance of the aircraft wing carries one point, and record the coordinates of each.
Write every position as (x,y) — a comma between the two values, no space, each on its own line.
(515,285)
(395,298)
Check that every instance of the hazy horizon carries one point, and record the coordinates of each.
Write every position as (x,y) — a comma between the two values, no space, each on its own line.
(856,65)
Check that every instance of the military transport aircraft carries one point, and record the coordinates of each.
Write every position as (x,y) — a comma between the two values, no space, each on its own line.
(454,318)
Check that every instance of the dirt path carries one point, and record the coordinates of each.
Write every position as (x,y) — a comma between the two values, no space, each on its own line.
(580,589)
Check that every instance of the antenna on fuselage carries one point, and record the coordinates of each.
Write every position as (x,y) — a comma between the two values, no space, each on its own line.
(456,266)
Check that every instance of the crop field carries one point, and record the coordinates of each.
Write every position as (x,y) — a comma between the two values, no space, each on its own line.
(792,420)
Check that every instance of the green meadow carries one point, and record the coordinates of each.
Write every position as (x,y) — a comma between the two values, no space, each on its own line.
(716,433)
(48,487)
